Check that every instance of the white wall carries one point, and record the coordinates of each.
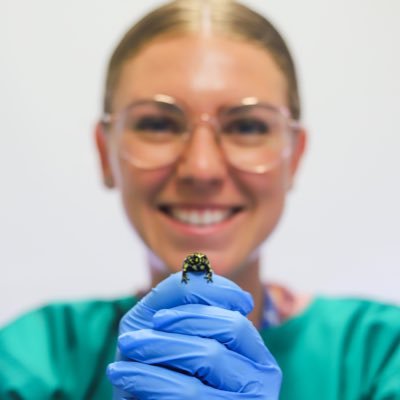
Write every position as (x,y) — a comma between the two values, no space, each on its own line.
(63,236)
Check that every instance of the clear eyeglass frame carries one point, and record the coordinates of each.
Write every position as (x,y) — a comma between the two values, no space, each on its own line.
(154,154)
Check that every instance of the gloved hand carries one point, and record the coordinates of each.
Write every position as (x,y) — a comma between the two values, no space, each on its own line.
(193,341)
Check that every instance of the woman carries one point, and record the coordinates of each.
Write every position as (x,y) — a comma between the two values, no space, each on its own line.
(201,136)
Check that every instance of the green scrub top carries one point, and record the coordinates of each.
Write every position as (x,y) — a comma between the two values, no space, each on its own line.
(337,349)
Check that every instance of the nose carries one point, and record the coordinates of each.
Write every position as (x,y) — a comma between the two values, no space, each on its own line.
(202,163)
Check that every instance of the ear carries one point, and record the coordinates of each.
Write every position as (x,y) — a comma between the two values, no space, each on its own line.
(299,146)
(101,143)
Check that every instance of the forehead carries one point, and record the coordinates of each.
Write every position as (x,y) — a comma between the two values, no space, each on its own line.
(204,72)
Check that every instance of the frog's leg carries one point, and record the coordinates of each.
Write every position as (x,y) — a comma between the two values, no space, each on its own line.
(208,276)
(185,277)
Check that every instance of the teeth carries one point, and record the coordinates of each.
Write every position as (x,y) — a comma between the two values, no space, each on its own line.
(203,217)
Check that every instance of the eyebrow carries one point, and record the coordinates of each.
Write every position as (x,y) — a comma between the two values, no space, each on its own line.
(170,107)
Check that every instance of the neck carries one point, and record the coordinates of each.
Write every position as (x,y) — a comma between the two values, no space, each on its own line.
(247,277)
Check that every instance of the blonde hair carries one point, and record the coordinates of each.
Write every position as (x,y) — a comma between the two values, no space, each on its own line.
(224,17)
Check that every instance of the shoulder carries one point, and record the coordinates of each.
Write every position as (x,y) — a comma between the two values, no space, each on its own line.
(356,340)
(333,311)
(52,348)
(355,314)
(366,336)
(62,322)
(359,320)
(76,309)
(367,328)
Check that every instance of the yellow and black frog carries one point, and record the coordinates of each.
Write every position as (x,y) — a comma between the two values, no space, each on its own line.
(196,262)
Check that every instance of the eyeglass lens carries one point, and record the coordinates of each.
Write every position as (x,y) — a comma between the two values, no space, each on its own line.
(153,134)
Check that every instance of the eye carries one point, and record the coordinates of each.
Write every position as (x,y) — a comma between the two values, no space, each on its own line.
(247,126)
(157,124)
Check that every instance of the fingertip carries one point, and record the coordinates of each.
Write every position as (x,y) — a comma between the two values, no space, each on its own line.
(161,315)
(123,341)
(118,369)
(248,305)
(111,371)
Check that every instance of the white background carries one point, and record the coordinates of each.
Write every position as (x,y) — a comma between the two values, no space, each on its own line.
(62,236)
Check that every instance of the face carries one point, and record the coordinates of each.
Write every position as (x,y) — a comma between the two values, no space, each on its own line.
(165,205)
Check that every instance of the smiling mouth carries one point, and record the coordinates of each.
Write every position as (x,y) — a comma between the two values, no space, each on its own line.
(200,217)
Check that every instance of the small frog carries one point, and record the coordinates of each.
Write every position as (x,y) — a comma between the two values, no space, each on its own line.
(196,262)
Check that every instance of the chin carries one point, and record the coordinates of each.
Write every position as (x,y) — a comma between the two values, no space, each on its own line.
(226,264)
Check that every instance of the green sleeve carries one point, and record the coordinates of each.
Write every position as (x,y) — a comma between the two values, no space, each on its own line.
(60,351)
(339,349)
(382,353)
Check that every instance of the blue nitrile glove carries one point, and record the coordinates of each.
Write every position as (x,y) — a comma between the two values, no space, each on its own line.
(202,344)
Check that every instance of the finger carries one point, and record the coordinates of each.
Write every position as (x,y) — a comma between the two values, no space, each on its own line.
(230,328)
(206,359)
(221,292)
(150,382)
(172,292)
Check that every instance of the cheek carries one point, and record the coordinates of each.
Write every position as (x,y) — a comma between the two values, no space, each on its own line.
(267,193)
(139,189)
(266,188)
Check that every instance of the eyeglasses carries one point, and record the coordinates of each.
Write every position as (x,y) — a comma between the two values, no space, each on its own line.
(253,136)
